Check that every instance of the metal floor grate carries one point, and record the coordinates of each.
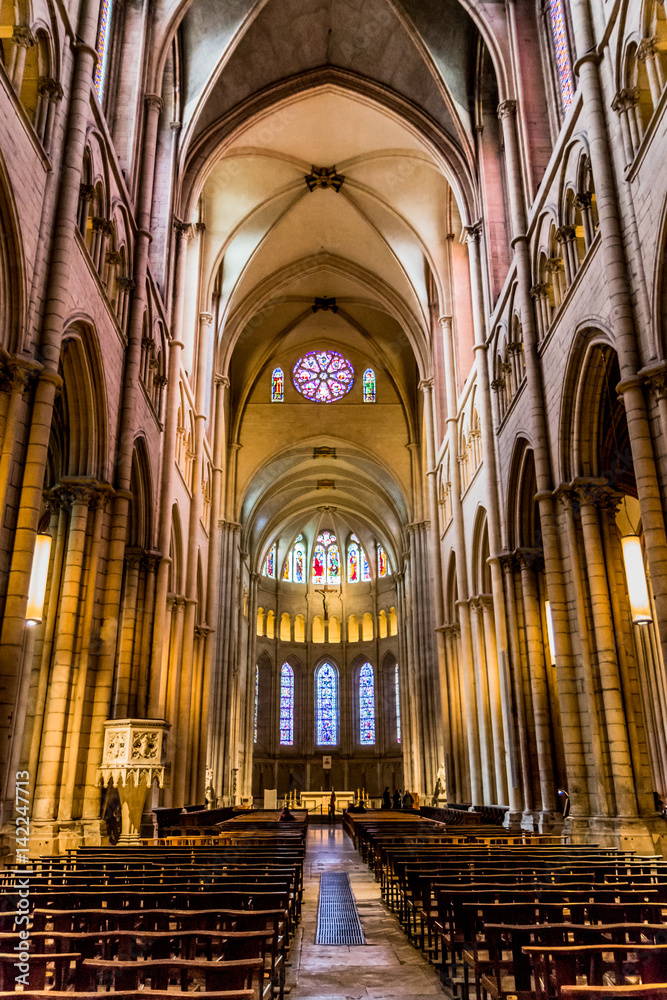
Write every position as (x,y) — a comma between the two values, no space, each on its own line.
(337,918)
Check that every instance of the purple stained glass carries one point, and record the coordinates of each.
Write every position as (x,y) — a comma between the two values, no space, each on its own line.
(326,705)
(366,705)
(562,52)
(286,705)
(102,46)
(369,386)
(323,376)
(353,564)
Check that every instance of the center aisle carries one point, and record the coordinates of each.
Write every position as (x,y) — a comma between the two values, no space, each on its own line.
(387,966)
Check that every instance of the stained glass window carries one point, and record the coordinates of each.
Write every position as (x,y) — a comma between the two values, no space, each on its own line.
(103,33)
(369,386)
(277,386)
(382,561)
(286,705)
(269,568)
(398,709)
(299,562)
(365,568)
(353,563)
(323,376)
(562,51)
(287,568)
(326,705)
(333,564)
(366,705)
(326,559)
(256,698)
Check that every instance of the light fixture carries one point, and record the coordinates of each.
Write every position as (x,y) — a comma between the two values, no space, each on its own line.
(550,633)
(38,578)
(635,576)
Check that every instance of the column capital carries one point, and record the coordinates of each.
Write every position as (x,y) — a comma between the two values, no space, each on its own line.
(205,318)
(625,99)
(655,377)
(527,558)
(445,321)
(113,258)
(583,200)
(222,380)
(473,232)
(151,559)
(647,47)
(182,229)
(538,291)
(48,87)
(134,555)
(101,225)
(154,102)
(565,233)
(426,384)
(554,264)
(175,127)
(23,36)
(508,561)
(507,109)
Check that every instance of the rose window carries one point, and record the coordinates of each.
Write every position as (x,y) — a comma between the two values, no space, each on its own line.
(323,376)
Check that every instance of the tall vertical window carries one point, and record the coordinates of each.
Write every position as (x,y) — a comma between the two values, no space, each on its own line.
(326,705)
(383,567)
(256,698)
(294,569)
(277,386)
(369,386)
(286,705)
(326,559)
(562,51)
(357,563)
(102,47)
(398,708)
(366,705)
(269,567)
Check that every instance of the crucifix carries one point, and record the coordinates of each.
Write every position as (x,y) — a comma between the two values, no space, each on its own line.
(325,590)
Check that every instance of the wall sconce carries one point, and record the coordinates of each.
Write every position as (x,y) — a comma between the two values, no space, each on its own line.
(38,578)
(550,633)
(635,577)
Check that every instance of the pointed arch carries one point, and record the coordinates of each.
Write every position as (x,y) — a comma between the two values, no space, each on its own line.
(326,704)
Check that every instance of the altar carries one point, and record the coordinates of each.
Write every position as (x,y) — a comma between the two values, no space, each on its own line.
(318,802)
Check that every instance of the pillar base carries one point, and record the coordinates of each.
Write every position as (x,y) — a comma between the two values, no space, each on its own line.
(512,820)
(542,821)
(643,834)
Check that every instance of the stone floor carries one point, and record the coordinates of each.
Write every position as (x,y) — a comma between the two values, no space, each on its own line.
(386,966)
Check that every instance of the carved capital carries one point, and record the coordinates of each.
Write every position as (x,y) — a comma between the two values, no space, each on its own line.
(324,177)
(48,87)
(152,560)
(426,384)
(133,556)
(647,47)
(498,384)
(205,318)
(583,200)
(183,229)
(538,291)
(554,264)
(23,36)
(507,109)
(113,258)
(625,99)
(508,561)
(222,380)
(565,233)
(127,284)
(104,226)
(154,103)
(532,559)
(86,191)
(473,233)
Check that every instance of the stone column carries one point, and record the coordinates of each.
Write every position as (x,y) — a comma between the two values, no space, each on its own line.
(126,653)
(605,641)
(461,567)
(486,605)
(518,753)
(77,495)
(502,664)
(536,415)
(647,52)
(23,40)
(483,705)
(158,685)
(625,104)
(530,561)
(30,505)
(19,375)
(626,342)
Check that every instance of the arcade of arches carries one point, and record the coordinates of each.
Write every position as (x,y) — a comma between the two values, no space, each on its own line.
(333,407)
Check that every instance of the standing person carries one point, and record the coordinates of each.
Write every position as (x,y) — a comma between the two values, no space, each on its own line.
(408,801)
(386,799)
(332,807)
(396,803)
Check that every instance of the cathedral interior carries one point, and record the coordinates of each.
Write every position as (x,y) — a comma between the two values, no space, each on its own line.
(440,224)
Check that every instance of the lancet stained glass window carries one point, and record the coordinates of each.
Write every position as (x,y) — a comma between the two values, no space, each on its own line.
(562,51)
(326,705)
(256,698)
(382,561)
(323,376)
(353,571)
(286,705)
(398,709)
(366,705)
(326,559)
(103,34)
(269,568)
(278,386)
(369,386)
(294,568)
(365,568)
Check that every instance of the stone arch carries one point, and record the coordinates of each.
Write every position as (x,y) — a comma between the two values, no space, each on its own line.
(140,523)
(80,410)
(176,552)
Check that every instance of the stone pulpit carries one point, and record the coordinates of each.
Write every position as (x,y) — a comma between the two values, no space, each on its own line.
(134,756)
